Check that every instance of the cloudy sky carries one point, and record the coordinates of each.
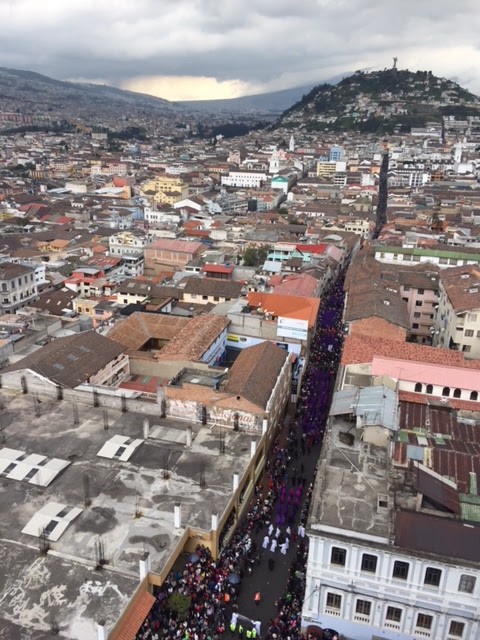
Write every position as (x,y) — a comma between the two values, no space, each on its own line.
(206,49)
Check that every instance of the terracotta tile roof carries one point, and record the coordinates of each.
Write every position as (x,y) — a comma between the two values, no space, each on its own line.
(378,328)
(218,268)
(178,246)
(359,349)
(134,617)
(286,306)
(255,372)
(140,327)
(462,285)
(379,304)
(194,339)
(302,285)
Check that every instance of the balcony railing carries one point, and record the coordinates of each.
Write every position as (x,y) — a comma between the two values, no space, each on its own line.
(423,633)
(332,612)
(358,617)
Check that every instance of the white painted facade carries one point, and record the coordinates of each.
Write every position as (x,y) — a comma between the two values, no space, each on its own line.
(363,603)
(246,179)
(405,257)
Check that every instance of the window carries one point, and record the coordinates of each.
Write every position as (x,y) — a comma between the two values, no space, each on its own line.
(443,260)
(204,297)
(446,391)
(369,562)
(418,303)
(472,317)
(416,258)
(474,395)
(405,299)
(415,325)
(363,607)
(456,628)
(469,333)
(339,556)
(467,583)
(467,348)
(457,393)
(393,614)
(334,601)
(421,292)
(400,570)
(424,621)
(406,287)
(418,387)
(417,314)
(429,388)
(193,296)
(432,576)
(125,301)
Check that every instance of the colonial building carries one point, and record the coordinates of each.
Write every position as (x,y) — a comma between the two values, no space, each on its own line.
(18,287)
(457,321)
(393,554)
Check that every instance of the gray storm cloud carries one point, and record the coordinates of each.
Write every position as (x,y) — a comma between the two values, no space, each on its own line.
(268,44)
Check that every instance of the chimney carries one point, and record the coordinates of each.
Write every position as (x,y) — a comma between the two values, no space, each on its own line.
(101,632)
(214,521)
(144,565)
(177,515)
(264,426)
(146,428)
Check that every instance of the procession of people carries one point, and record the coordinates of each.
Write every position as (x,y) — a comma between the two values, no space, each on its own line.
(274,527)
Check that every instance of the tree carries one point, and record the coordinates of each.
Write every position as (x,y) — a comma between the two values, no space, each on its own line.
(180,604)
(254,256)
(250,257)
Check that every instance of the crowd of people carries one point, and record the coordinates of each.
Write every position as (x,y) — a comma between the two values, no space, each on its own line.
(277,515)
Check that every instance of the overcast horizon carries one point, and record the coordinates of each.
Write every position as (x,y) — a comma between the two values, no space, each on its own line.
(206,49)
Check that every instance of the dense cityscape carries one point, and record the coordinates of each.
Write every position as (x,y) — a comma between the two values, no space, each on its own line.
(240,374)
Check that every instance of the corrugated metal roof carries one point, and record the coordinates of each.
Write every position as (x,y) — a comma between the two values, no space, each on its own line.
(452,538)
(344,402)
(375,405)
(436,488)
(378,405)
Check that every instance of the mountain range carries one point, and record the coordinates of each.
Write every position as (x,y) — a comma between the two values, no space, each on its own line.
(33,93)
(371,102)
(28,92)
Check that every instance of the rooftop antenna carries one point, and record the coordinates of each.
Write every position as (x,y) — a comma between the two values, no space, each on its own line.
(86,489)
(395,63)
(166,466)
(202,480)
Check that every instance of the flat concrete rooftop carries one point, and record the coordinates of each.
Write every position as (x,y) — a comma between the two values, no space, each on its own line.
(132,509)
(351,492)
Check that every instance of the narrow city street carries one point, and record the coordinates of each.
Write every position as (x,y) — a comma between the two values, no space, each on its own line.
(260,576)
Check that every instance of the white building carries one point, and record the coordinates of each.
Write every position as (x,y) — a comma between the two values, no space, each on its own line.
(18,287)
(457,321)
(245,179)
(392,553)
(130,246)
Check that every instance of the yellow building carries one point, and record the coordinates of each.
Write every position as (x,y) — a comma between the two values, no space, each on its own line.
(166,189)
